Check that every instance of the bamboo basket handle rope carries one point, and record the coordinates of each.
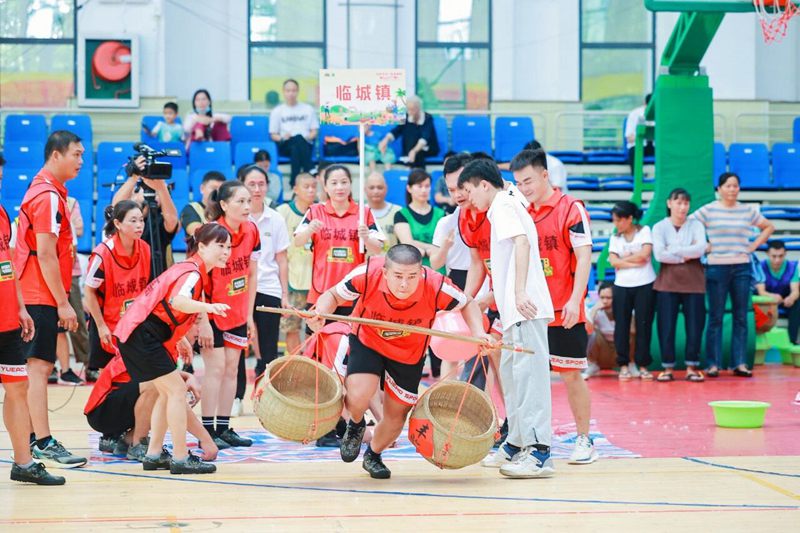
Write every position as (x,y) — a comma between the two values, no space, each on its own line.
(392,325)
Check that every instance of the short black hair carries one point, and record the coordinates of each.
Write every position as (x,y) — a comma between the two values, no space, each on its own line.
(171,105)
(482,155)
(676,194)
(59,141)
(533,145)
(604,285)
(626,209)
(262,155)
(291,80)
(776,244)
(213,175)
(415,177)
(725,176)
(456,162)
(404,254)
(529,158)
(481,170)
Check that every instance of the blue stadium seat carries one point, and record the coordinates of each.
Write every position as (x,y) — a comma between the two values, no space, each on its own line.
(25,128)
(11,205)
(786,165)
(27,154)
(786,212)
(84,181)
(150,122)
(750,161)
(617,183)
(181,188)
(345,133)
(583,183)
(85,240)
(396,180)
(245,152)
(611,157)
(510,136)
(99,220)
(210,156)
(508,176)
(569,156)
(440,125)
(472,134)
(179,240)
(106,177)
(396,145)
(720,160)
(80,125)
(599,213)
(251,128)
(598,243)
(196,176)
(17,180)
(113,155)
(796,129)
(436,175)
(178,162)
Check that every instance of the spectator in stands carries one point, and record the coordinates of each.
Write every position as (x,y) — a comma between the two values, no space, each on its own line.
(193,214)
(264,160)
(678,244)
(202,124)
(635,118)
(629,253)
(729,226)
(294,126)
(298,257)
(418,133)
(372,151)
(415,223)
(600,322)
(383,211)
(782,283)
(167,130)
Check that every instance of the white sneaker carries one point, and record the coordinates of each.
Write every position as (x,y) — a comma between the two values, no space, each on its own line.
(634,370)
(592,370)
(533,464)
(584,452)
(501,457)
(237,408)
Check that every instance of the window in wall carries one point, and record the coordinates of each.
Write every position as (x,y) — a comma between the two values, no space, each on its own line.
(454,53)
(37,52)
(287,40)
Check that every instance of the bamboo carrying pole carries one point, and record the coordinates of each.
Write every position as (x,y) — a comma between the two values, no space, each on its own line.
(390,325)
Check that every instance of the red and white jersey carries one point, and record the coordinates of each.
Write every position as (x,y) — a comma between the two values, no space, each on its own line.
(231,285)
(335,247)
(9,318)
(113,375)
(368,284)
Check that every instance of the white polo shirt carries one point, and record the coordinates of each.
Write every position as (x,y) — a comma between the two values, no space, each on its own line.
(509,218)
(458,257)
(274,239)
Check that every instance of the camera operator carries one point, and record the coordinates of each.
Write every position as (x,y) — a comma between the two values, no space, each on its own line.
(165,218)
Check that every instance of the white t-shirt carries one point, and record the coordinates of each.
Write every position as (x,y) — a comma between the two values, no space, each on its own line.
(274,239)
(557,172)
(299,119)
(638,276)
(635,118)
(458,257)
(509,218)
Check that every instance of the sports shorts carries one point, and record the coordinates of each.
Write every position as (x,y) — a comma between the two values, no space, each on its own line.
(12,357)
(43,345)
(144,353)
(115,415)
(400,381)
(235,338)
(568,347)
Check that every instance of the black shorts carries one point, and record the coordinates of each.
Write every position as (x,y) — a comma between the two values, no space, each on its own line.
(568,347)
(144,354)
(43,345)
(398,380)
(116,414)
(98,357)
(235,338)
(12,357)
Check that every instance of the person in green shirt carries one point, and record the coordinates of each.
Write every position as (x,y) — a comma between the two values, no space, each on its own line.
(415,223)
(782,283)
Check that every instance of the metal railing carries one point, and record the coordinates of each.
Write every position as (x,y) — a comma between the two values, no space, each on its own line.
(768,128)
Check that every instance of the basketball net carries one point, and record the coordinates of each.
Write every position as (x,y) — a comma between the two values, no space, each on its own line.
(774,16)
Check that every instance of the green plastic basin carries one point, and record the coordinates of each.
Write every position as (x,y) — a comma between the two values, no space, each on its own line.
(739,413)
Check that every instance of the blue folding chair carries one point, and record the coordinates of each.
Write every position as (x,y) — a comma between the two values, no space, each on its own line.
(396,181)
(178,162)
(80,125)
(11,205)
(796,131)
(87,210)
(25,128)
(345,133)
(245,154)
(24,154)
(149,122)
(472,134)
(599,213)
(250,128)
(210,156)
(100,219)
(511,134)
(113,155)
(84,181)
(786,212)
(720,160)
(786,165)
(181,188)
(750,161)
(17,180)
(617,183)
(573,157)
(179,241)
(440,125)
(583,183)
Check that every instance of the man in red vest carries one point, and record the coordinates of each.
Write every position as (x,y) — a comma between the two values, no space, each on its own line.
(43,261)
(565,248)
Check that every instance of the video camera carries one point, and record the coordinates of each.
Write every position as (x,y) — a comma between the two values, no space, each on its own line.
(153,169)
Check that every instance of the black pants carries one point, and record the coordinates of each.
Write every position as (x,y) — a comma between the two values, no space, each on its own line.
(268,328)
(794,321)
(458,277)
(694,314)
(627,300)
(649,150)
(298,150)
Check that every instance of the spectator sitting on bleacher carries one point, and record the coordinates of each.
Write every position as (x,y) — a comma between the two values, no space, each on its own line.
(418,133)
(203,124)
(555,168)
(294,126)
(782,283)
(193,215)
(382,210)
(263,160)
(167,130)
(635,118)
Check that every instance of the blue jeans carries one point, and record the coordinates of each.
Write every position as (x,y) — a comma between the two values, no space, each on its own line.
(694,313)
(721,281)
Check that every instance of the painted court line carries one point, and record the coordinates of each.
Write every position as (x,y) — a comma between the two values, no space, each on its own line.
(738,469)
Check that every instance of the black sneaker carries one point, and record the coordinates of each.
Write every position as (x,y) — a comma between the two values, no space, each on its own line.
(374,465)
(53,378)
(161,463)
(121,449)
(54,454)
(92,375)
(191,465)
(221,443)
(351,442)
(107,444)
(36,473)
(341,427)
(136,452)
(329,440)
(234,439)
(69,378)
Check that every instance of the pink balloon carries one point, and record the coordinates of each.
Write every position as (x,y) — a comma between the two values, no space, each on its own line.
(448,349)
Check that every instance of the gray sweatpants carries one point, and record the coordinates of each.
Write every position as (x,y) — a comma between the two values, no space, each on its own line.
(526,384)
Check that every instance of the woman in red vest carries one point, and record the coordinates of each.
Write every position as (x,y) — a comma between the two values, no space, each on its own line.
(222,343)
(151,334)
(119,270)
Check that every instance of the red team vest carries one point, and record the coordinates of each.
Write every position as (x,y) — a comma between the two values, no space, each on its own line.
(406,348)
(335,246)
(125,277)
(331,346)
(230,284)
(153,300)
(110,378)
(9,318)
(476,232)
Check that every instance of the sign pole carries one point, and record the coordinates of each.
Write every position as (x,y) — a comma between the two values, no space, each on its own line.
(362,183)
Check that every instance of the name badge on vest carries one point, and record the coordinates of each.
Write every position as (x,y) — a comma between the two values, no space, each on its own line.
(488,264)
(389,334)
(6,272)
(125,305)
(340,254)
(546,266)
(237,286)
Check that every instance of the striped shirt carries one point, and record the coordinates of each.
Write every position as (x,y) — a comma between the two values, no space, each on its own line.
(729,230)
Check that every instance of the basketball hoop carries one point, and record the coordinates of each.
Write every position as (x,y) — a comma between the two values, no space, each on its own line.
(774,16)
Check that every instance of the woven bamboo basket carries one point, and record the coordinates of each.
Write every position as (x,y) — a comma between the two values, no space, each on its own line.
(286,405)
(447,438)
